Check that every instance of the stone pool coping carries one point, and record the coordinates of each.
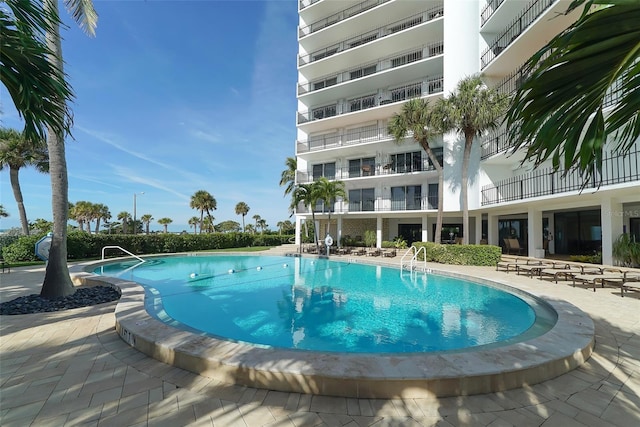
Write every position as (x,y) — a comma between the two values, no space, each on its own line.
(566,346)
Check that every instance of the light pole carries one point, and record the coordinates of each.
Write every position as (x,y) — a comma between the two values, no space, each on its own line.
(134,210)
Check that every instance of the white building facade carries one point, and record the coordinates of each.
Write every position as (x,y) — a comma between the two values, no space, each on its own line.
(360,61)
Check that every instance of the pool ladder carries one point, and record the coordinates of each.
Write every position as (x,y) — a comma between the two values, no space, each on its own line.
(413,252)
(123,250)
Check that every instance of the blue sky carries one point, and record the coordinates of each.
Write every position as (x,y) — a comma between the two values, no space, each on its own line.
(173,97)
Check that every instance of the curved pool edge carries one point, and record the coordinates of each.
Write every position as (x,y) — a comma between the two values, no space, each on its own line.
(565,347)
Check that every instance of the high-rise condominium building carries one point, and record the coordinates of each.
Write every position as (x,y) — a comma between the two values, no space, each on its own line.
(360,61)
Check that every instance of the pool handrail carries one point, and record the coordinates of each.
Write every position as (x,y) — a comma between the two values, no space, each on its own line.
(414,258)
(123,250)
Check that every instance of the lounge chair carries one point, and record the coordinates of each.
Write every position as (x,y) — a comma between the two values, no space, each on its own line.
(608,275)
(358,251)
(512,264)
(631,280)
(373,252)
(389,253)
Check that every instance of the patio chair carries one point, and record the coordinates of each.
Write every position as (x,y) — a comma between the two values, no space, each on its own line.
(513,246)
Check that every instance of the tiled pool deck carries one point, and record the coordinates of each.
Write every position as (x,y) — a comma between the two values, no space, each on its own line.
(71,368)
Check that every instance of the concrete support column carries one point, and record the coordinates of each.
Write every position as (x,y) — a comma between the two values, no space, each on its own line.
(379,232)
(339,231)
(552,227)
(612,222)
(298,229)
(493,234)
(534,226)
(478,228)
(425,228)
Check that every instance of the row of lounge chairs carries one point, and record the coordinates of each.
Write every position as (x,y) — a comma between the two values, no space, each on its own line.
(348,250)
(589,275)
(366,251)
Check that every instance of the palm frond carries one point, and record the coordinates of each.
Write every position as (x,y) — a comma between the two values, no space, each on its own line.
(559,111)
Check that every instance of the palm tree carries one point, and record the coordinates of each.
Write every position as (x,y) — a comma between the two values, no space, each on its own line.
(146,220)
(36,86)
(257,219)
(165,223)
(303,193)
(288,176)
(3,212)
(203,201)
(124,216)
(103,213)
(557,113)
(471,110)
(416,119)
(17,152)
(81,213)
(262,223)
(250,229)
(242,209)
(280,226)
(57,282)
(208,224)
(328,192)
(193,222)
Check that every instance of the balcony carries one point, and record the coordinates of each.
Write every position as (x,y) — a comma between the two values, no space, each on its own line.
(616,169)
(423,203)
(338,17)
(306,3)
(374,99)
(488,10)
(494,143)
(363,70)
(517,27)
(372,35)
(334,140)
(366,171)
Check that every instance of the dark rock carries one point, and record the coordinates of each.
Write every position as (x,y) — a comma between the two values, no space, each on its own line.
(83,297)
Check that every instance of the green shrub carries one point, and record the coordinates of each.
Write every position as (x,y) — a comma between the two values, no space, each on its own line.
(23,249)
(82,245)
(590,259)
(461,254)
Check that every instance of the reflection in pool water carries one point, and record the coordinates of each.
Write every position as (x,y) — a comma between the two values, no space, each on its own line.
(331,306)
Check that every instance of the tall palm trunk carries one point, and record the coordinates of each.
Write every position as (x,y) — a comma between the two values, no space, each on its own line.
(57,282)
(437,237)
(465,188)
(17,193)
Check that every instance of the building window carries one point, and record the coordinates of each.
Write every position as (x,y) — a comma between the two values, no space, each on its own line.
(432,198)
(634,229)
(362,103)
(406,162)
(406,59)
(325,83)
(438,152)
(363,40)
(407,24)
(406,92)
(362,72)
(406,198)
(362,200)
(327,170)
(323,112)
(362,167)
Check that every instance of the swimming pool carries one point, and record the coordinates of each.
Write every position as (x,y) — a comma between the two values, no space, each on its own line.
(485,368)
(331,306)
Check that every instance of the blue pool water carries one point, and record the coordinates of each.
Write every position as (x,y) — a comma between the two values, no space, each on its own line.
(330,306)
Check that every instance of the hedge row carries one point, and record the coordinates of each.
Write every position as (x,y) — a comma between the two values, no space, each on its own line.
(461,254)
(81,245)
